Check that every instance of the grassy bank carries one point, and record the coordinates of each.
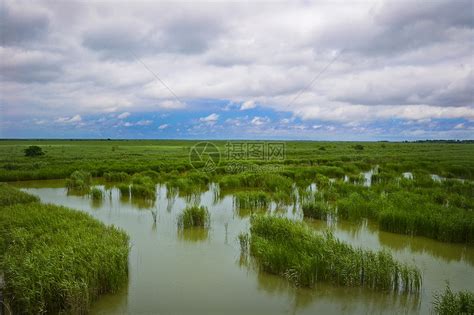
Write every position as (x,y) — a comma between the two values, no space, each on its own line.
(55,259)
(294,251)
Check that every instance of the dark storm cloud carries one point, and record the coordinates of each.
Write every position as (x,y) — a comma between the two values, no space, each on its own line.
(19,25)
(186,34)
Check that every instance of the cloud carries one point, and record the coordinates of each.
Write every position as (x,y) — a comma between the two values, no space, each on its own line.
(395,60)
(144,122)
(248,105)
(163,126)
(69,120)
(258,121)
(123,115)
(212,118)
(22,22)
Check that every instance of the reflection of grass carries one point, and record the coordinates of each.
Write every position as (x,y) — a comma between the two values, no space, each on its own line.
(294,251)
(194,234)
(57,260)
(194,217)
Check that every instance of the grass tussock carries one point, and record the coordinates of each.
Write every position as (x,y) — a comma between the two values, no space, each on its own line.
(10,196)
(317,209)
(58,260)
(194,217)
(79,181)
(142,187)
(292,250)
(449,302)
(96,194)
(252,200)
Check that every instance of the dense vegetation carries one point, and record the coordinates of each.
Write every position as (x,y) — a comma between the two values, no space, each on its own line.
(55,259)
(449,302)
(337,159)
(293,250)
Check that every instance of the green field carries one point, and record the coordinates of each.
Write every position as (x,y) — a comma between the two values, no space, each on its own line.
(328,158)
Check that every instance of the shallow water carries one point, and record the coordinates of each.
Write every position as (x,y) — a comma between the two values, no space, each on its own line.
(200,272)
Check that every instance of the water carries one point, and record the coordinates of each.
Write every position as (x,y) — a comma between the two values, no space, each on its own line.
(200,272)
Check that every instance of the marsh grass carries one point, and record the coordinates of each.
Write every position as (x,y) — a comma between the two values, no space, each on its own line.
(58,260)
(79,182)
(292,250)
(317,209)
(142,187)
(194,216)
(124,190)
(252,200)
(10,196)
(449,302)
(116,177)
(96,194)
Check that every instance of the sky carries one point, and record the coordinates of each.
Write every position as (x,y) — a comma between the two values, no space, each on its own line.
(302,70)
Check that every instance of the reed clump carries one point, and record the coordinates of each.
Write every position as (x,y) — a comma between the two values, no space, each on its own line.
(58,260)
(292,250)
(142,187)
(450,302)
(252,200)
(194,216)
(79,181)
(96,193)
(317,209)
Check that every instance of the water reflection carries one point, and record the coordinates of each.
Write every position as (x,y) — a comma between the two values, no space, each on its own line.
(193,234)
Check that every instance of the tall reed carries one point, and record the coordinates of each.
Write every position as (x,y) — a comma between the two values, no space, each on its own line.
(58,260)
(292,250)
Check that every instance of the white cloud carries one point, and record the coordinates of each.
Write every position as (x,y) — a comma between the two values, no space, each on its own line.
(123,115)
(169,104)
(258,121)
(144,122)
(69,120)
(212,118)
(248,105)
(459,126)
(163,126)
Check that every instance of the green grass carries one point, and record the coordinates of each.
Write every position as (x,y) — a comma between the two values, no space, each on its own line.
(116,176)
(58,260)
(142,187)
(292,250)
(252,200)
(449,302)
(96,194)
(10,196)
(98,157)
(317,209)
(194,217)
(79,181)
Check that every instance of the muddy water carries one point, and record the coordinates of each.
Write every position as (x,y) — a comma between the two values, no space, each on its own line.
(200,272)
